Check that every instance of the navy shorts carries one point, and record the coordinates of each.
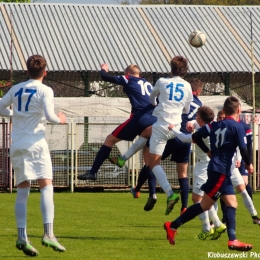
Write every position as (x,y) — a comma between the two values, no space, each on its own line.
(242,169)
(134,126)
(217,184)
(179,151)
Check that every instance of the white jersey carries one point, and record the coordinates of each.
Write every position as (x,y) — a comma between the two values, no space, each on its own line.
(32,103)
(175,96)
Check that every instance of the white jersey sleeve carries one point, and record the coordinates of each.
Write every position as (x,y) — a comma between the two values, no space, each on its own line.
(4,111)
(154,94)
(49,107)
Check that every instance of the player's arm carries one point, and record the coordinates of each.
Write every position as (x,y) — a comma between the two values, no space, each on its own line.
(49,109)
(5,102)
(186,108)
(249,144)
(155,93)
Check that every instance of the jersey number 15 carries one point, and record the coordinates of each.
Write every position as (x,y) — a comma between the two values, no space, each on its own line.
(174,90)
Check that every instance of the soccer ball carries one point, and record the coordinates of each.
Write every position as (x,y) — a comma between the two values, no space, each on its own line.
(197,39)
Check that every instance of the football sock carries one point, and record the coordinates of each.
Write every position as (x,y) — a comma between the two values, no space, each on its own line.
(162,180)
(214,217)
(223,208)
(188,215)
(20,211)
(248,203)
(101,156)
(136,146)
(216,206)
(151,182)
(249,191)
(231,222)
(204,218)
(142,177)
(184,187)
(47,209)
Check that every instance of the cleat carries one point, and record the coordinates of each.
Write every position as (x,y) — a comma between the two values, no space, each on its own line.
(256,220)
(87,176)
(118,161)
(183,210)
(218,231)
(203,235)
(239,246)
(135,194)
(170,202)
(170,233)
(53,243)
(27,248)
(150,203)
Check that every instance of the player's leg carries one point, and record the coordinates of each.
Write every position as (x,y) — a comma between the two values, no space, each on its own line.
(160,135)
(21,158)
(231,204)
(244,174)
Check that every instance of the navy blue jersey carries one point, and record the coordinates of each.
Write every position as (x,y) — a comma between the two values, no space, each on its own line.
(194,106)
(225,136)
(248,132)
(138,91)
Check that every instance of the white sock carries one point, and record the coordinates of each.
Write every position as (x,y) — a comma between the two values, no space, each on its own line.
(138,145)
(162,180)
(21,211)
(204,218)
(216,206)
(248,203)
(214,217)
(47,209)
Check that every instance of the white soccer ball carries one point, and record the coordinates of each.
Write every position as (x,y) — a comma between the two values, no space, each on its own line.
(197,39)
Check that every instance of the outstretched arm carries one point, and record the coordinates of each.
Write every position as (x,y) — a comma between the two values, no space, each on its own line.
(4,111)
(105,75)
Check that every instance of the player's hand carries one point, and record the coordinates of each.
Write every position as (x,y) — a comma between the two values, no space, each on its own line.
(189,126)
(104,66)
(250,168)
(238,164)
(171,126)
(209,153)
(62,118)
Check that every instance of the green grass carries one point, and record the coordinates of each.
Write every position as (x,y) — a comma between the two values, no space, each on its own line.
(111,225)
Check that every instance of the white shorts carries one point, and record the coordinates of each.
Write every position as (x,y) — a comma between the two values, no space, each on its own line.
(31,160)
(200,176)
(160,135)
(236,177)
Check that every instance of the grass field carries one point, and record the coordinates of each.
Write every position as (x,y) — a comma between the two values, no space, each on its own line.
(113,225)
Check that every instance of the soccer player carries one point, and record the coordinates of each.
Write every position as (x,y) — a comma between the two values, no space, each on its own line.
(175,96)
(204,116)
(225,137)
(237,179)
(141,119)
(32,103)
(179,151)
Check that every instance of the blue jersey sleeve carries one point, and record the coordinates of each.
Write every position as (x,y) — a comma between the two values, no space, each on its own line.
(205,130)
(240,137)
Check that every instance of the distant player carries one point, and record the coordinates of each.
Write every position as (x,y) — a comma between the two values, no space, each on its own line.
(32,103)
(225,137)
(175,96)
(141,119)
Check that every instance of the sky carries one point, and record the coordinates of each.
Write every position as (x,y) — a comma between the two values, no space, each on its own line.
(114,2)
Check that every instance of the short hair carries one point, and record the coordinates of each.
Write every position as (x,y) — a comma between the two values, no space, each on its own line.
(206,114)
(220,114)
(196,84)
(36,66)
(179,66)
(132,69)
(231,106)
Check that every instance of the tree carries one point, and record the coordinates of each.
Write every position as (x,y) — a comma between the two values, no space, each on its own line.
(15,1)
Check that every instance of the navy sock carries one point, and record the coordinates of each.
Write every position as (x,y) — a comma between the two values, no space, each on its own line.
(151,182)
(231,222)
(188,215)
(249,191)
(141,178)
(184,186)
(223,208)
(101,156)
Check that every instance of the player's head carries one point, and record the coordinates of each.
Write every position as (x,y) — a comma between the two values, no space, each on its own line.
(36,66)
(231,106)
(132,70)
(220,115)
(196,86)
(179,66)
(205,115)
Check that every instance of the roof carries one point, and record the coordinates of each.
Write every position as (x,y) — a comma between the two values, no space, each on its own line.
(79,37)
